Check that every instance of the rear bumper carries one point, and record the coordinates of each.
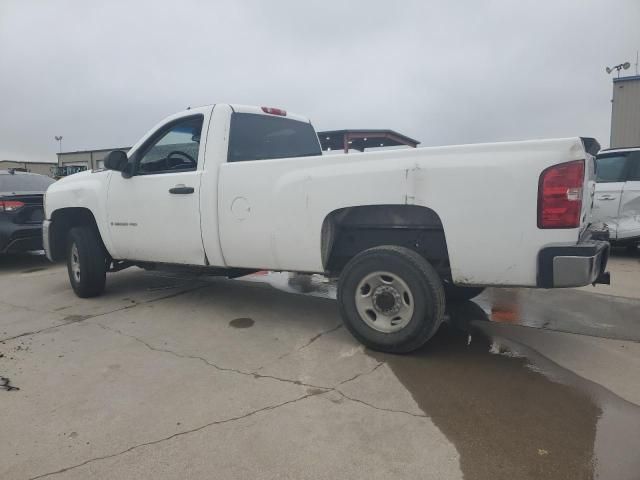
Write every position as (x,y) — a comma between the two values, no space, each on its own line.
(585,263)
(16,238)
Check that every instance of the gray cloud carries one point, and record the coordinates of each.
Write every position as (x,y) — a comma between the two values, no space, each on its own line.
(101,74)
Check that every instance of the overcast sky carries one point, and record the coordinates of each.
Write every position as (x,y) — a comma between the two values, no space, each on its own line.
(102,73)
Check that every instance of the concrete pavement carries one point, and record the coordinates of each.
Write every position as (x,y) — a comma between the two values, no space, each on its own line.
(171,376)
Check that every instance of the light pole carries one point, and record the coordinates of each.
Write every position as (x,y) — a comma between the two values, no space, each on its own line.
(617,68)
(59,140)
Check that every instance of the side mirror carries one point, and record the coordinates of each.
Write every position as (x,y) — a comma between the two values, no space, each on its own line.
(116,160)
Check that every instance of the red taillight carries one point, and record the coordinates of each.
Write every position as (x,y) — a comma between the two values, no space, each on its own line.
(274,111)
(560,195)
(10,205)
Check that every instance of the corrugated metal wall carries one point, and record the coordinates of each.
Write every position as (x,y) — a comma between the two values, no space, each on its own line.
(625,114)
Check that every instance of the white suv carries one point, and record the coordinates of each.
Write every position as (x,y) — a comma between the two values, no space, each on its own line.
(617,198)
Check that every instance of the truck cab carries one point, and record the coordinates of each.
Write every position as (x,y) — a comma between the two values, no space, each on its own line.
(163,177)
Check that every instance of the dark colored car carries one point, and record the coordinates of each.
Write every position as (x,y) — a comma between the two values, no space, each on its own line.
(21,210)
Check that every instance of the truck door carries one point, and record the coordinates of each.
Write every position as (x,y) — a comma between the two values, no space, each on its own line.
(154,215)
(253,209)
(611,171)
(629,216)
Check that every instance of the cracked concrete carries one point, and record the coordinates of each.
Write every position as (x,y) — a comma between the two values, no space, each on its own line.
(151,381)
(95,380)
(44,308)
(168,363)
(172,436)
(382,409)
(317,437)
(205,361)
(313,339)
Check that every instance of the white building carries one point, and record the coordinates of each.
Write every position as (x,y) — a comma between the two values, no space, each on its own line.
(72,162)
(625,112)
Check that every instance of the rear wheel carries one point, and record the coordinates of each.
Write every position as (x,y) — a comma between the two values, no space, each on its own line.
(391,299)
(86,262)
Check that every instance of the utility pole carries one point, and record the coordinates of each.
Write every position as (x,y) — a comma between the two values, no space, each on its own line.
(59,140)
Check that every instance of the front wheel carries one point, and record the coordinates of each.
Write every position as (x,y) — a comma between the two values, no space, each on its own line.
(86,262)
(391,299)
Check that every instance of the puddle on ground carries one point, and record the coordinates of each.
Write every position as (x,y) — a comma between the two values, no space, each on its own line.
(241,322)
(512,413)
(564,311)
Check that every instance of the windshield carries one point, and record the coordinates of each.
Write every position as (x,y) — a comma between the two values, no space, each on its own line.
(24,183)
(262,137)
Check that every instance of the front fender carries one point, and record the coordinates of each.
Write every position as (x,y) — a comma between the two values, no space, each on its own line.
(86,190)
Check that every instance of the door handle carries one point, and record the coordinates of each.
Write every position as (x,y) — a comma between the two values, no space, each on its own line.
(607,197)
(181,190)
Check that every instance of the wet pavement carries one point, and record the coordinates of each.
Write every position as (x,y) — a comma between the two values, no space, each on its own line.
(562,310)
(511,412)
(170,376)
(573,311)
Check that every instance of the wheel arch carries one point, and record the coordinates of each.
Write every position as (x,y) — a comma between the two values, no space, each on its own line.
(63,220)
(350,230)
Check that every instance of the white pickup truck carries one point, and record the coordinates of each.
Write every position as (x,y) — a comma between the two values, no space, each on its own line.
(231,189)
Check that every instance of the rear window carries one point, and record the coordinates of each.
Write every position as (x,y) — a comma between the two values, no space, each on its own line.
(262,137)
(24,183)
(611,168)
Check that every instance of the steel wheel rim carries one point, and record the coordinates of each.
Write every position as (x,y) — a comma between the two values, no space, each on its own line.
(384,302)
(75,263)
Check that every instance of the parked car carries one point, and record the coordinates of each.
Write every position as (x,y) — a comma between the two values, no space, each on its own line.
(21,210)
(617,198)
(231,189)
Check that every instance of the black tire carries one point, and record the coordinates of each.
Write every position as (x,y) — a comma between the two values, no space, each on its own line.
(454,293)
(422,280)
(91,257)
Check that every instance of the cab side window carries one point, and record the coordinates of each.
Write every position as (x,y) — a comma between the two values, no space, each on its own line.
(634,167)
(174,148)
(611,168)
